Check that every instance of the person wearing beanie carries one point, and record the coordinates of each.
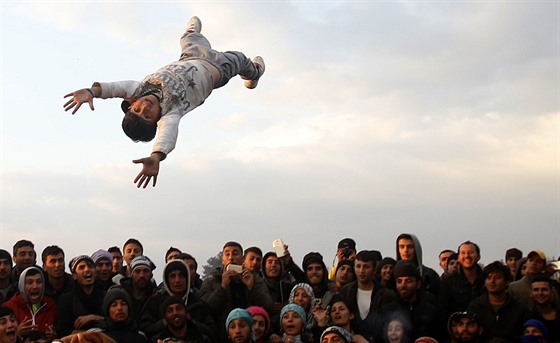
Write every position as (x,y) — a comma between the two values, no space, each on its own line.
(346,250)
(499,313)
(261,323)
(302,295)
(443,257)
(384,273)
(521,289)
(239,326)
(452,264)
(176,282)
(463,327)
(316,274)
(7,287)
(344,274)
(139,286)
(178,327)
(535,328)
(365,296)
(81,308)
(513,255)
(233,286)
(117,324)
(408,248)
(33,310)
(8,326)
(103,262)
(411,303)
(57,281)
(328,336)
(292,324)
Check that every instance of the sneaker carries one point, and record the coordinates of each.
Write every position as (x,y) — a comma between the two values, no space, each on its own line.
(259,64)
(194,25)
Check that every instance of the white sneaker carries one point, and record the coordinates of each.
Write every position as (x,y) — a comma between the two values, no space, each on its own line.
(259,63)
(194,25)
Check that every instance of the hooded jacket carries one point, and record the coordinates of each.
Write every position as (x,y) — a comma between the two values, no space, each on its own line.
(42,314)
(279,288)
(151,320)
(430,279)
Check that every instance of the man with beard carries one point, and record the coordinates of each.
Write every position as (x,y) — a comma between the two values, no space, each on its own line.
(278,274)
(24,257)
(7,287)
(176,282)
(57,280)
(139,286)
(80,309)
(463,328)
(498,312)
(103,261)
(409,249)
(177,324)
(466,284)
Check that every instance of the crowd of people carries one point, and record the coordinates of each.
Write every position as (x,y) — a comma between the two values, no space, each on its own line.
(111,296)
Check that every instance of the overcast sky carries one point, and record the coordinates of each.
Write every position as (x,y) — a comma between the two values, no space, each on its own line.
(374,118)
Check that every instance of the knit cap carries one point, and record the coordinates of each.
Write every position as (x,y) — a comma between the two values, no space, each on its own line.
(344,263)
(345,335)
(4,255)
(112,295)
(539,325)
(386,261)
(142,261)
(257,310)
(295,308)
(100,255)
(239,313)
(514,252)
(6,311)
(312,257)
(74,262)
(405,268)
(171,300)
(306,287)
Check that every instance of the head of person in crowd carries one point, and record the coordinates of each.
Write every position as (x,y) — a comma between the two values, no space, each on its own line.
(239,326)
(292,320)
(116,306)
(346,249)
(24,255)
(513,255)
(364,267)
(83,272)
(172,254)
(344,272)
(6,264)
(252,259)
(443,256)
(232,253)
(497,278)
(176,279)
(336,334)
(36,337)
(302,294)
(272,268)
(8,325)
(384,271)
(117,259)
(521,268)
(463,327)
(174,311)
(32,285)
(469,255)
(103,261)
(452,263)
(408,281)
(541,292)
(141,272)
(536,263)
(53,262)
(535,328)
(131,249)
(261,323)
(340,313)
(190,261)
(397,329)
(316,273)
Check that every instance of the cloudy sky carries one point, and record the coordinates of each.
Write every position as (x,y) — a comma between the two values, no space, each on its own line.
(374,118)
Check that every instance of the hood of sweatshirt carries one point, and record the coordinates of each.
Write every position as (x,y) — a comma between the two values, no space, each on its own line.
(417,250)
(21,283)
(183,268)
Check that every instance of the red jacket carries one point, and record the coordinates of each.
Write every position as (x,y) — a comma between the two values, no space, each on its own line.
(43,318)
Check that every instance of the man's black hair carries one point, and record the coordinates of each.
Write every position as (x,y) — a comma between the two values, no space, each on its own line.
(137,129)
(23,243)
(497,267)
(255,250)
(114,249)
(170,250)
(51,250)
(133,241)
